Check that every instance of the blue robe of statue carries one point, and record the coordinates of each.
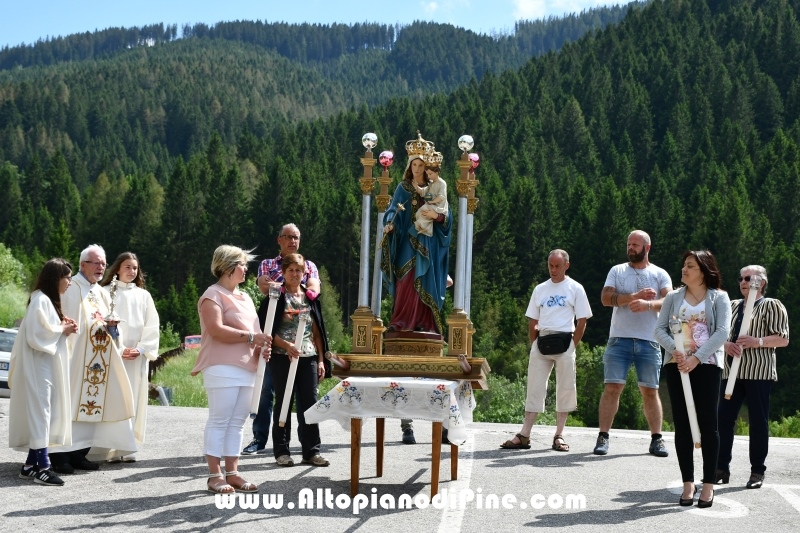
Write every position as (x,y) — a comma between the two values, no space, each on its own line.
(418,299)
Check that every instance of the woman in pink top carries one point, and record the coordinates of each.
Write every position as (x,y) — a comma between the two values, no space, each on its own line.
(231,341)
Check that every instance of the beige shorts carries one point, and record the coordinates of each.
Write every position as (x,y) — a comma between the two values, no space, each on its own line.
(539,368)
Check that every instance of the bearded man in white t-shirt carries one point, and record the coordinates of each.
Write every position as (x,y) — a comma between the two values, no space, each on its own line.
(558,312)
(635,290)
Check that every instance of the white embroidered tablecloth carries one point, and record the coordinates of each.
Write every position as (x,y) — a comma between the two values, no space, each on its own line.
(450,402)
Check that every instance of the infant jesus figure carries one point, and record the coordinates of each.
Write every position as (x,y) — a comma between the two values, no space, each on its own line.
(435,195)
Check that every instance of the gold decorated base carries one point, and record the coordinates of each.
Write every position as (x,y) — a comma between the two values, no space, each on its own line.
(415,366)
(413,343)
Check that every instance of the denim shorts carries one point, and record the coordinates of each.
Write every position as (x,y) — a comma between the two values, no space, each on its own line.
(621,352)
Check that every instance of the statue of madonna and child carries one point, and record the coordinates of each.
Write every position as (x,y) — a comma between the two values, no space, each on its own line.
(414,252)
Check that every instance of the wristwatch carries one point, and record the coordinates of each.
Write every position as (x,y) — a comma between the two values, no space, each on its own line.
(761,342)
(250,338)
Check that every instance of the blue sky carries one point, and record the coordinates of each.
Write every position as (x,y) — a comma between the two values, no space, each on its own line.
(25,21)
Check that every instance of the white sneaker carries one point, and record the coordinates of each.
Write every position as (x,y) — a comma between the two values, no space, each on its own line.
(284,460)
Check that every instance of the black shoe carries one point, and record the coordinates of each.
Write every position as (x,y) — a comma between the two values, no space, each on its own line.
(48,477)
(755,481)
(27,473)
(254,447)
(688,502)
(84,464)
(658,448)
(721,477)
(408,436)
(62,468)
(705,504)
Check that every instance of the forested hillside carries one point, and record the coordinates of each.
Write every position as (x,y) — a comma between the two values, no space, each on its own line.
(681,120)
(132,100)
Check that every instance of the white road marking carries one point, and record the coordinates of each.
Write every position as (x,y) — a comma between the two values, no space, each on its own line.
(452,518)
(732,508)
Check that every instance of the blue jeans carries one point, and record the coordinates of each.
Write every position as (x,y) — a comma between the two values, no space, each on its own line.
(264,416)
(621,352)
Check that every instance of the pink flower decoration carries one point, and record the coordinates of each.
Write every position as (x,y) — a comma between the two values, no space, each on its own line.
(475,159)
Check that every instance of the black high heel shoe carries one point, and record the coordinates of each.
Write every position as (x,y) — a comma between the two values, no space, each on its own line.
(687,502)
(755,481)
(721,477)
(705,504)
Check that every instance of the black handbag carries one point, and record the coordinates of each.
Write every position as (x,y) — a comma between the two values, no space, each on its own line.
(554,343)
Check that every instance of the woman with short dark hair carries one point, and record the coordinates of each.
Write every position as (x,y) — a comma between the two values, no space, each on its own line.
(312,367)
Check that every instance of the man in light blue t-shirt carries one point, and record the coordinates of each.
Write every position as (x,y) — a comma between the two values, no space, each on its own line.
(635,290)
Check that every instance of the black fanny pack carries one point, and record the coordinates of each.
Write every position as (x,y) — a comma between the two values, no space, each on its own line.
(554,343)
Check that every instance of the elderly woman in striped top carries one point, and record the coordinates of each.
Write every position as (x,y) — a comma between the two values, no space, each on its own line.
(769,329)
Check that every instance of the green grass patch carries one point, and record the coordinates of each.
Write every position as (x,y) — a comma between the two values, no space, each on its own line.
(187,390)
(13,301)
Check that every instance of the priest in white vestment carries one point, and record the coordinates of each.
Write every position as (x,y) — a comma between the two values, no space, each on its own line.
(139,330)
(101,396)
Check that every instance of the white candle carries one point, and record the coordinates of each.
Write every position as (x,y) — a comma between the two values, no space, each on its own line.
(755,283)
(298,343)
(677,334)
(274,294)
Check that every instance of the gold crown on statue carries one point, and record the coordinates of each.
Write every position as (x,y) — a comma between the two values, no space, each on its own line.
(433,159)
(419,147)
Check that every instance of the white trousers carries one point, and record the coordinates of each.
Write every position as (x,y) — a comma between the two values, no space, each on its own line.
(228,409)
(539,368)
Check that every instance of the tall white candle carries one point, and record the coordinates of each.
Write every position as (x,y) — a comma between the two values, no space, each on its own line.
(298,344)
(274,294)
(755,283)
(676,327)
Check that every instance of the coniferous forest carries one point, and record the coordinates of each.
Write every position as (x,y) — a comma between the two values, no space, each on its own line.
(677,117)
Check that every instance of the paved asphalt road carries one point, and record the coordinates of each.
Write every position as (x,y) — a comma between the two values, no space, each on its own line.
(627,490)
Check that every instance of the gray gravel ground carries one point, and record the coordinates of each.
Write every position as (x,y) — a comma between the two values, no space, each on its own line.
(627,490)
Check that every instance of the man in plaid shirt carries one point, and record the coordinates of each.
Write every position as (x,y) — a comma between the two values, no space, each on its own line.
(270,269)
(270,272)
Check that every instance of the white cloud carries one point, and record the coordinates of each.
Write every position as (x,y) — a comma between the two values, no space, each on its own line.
(529,9)
(444,7)
(538,9)
(430,8)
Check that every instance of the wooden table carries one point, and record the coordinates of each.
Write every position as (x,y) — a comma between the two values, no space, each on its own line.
(445,403)
(436,452)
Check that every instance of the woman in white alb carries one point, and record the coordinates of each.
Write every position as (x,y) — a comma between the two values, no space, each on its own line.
(39,376)
(139,331)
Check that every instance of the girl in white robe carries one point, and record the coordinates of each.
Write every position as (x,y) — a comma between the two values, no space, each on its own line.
(39,378)
(139,331)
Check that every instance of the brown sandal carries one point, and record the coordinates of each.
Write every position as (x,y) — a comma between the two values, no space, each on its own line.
(245,486)
(560,446)
(523,444)
(218,488)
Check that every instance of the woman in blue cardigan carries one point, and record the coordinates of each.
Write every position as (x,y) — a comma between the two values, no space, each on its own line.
(704,311)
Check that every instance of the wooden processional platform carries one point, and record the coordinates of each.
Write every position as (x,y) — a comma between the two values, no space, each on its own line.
(416,354)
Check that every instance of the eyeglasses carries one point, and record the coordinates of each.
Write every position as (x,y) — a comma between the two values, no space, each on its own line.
(100,264)
(745,278)
(291,237)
